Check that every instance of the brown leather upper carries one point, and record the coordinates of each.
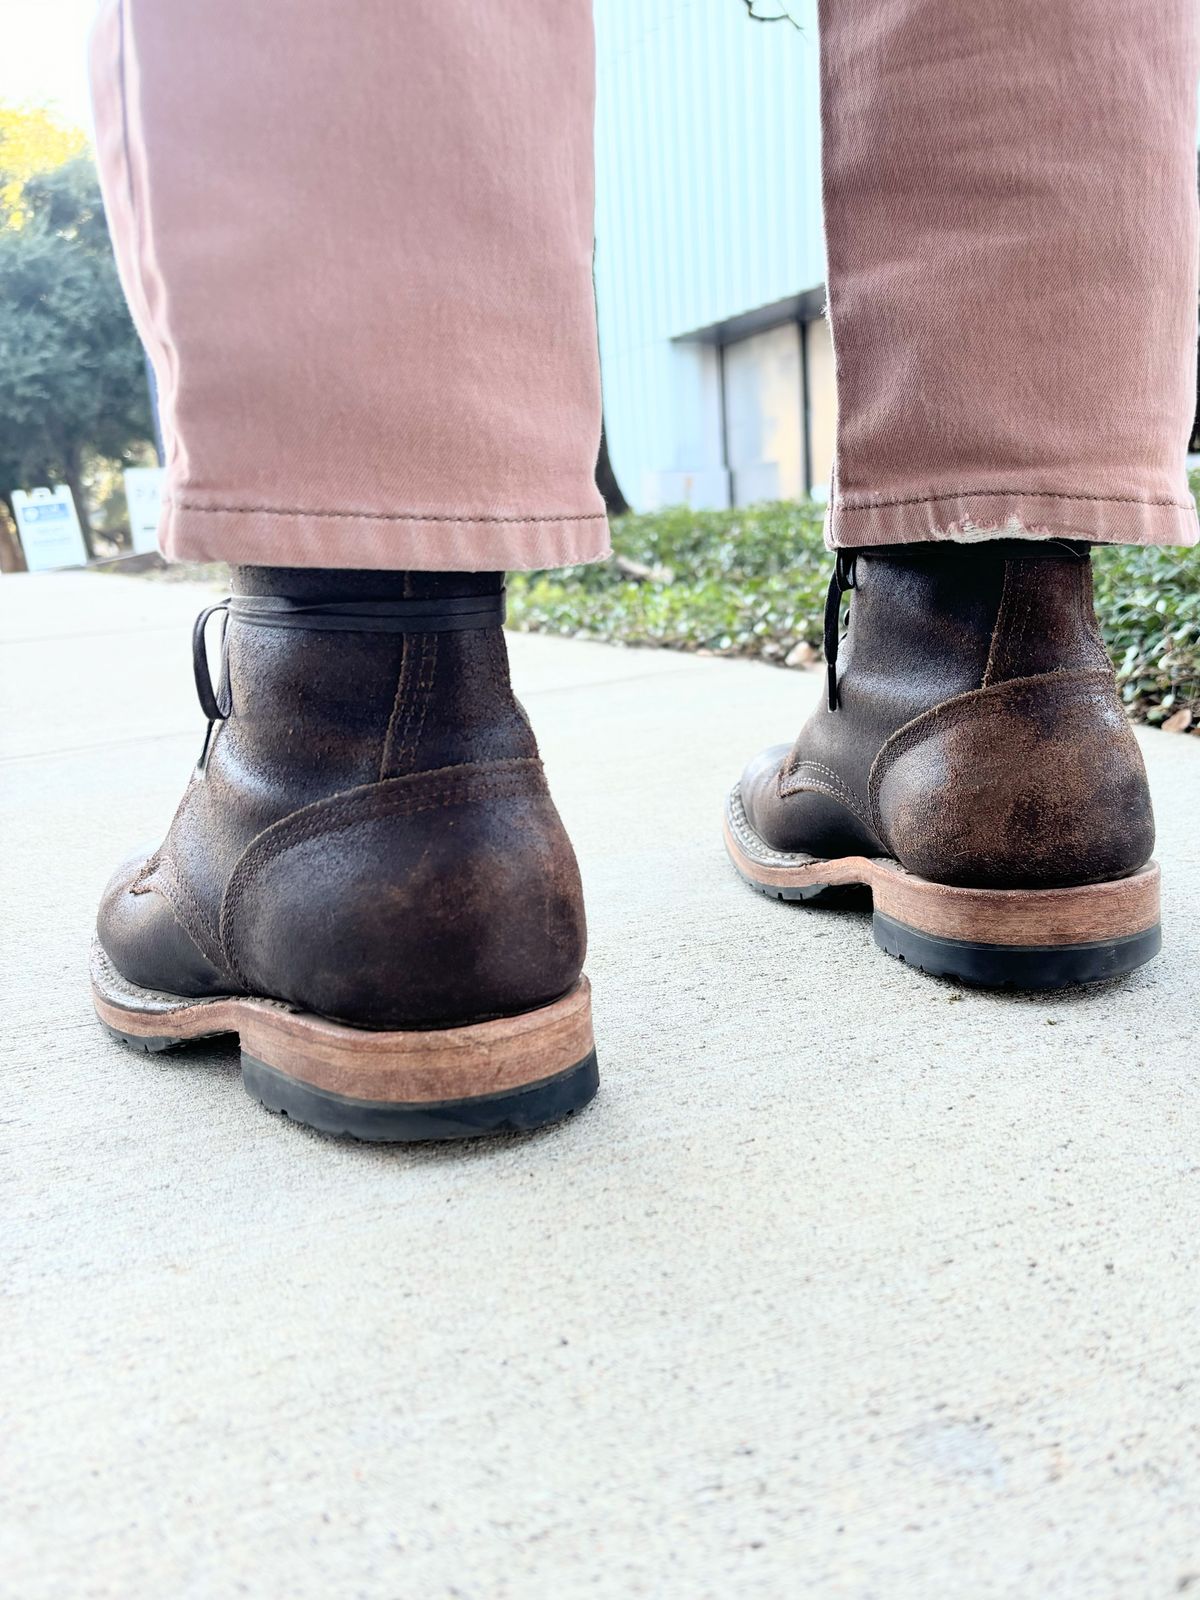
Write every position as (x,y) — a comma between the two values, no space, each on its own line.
(370,836)
(979,739)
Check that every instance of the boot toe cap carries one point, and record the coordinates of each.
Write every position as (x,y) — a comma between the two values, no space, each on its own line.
(146,941)
(759,788)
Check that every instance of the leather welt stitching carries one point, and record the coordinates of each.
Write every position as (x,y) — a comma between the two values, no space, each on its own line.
(837,788)
(985,702)
(1000,626)
(420,706)
(419,662)
(143,879)
(393,797)
(185,908)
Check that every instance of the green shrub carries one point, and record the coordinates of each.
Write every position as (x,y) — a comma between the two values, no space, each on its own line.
(1148,602)
(751,582)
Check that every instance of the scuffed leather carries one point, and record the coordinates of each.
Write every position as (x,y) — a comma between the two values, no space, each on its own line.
(893,665)
(1046,622)
(1035,781)
(460,880)
(805,807)
(940,626)
(139,925)
(294,870)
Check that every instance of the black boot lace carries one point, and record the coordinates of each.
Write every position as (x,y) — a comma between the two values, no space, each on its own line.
(841,580)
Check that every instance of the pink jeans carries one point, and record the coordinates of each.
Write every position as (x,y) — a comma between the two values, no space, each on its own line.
(357,241)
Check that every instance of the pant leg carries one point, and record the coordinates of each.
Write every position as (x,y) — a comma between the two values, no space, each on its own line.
(1010,198)
(357,242)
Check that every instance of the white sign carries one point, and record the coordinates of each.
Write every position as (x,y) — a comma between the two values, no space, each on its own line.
(49,528)
(143,491)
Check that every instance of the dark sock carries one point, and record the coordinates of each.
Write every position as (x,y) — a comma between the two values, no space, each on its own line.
(356,583)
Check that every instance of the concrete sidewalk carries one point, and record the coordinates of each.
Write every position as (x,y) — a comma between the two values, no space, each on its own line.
(851,1283)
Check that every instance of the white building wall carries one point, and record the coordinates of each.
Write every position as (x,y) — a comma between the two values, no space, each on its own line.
(707,206)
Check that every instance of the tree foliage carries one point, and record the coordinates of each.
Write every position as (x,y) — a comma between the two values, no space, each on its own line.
(72,376)
(31,141)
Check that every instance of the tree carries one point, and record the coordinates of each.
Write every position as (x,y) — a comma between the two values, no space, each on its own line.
(756,15)
(72,378)
(31,141)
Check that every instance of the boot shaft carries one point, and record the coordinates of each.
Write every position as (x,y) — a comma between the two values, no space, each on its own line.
(936,620)
(975,734)
(319,710)
(368,834)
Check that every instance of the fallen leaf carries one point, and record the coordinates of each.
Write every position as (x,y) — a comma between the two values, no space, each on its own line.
(1179,721)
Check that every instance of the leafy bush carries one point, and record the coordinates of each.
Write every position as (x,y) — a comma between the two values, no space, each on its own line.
(751,582)
(1148,602)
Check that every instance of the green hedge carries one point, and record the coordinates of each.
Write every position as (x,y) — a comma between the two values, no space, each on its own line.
(752,582)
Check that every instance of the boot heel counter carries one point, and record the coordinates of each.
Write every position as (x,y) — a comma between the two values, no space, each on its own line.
(444,898)
(1030,782)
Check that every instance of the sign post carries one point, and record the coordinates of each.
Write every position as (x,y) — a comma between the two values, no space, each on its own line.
(143,493)
(49,528)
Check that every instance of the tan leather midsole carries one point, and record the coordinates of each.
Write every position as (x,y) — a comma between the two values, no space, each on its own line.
(1086,915)
(400,1067)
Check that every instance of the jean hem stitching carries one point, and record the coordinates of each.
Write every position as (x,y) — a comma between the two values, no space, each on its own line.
(378,516)
(1026,494)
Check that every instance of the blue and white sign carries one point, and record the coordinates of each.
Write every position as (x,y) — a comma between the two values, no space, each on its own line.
(143,492)
(49,528)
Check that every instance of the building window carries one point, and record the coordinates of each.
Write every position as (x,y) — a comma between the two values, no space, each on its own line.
(775,397)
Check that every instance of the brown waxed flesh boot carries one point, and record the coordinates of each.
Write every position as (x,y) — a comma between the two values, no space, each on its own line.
(366,879)
(971,765)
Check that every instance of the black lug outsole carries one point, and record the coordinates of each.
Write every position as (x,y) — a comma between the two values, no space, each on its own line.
(151,1046)
(997,966)
(534,1105)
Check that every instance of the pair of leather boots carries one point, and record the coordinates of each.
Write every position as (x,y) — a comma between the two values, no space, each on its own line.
(367,879)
